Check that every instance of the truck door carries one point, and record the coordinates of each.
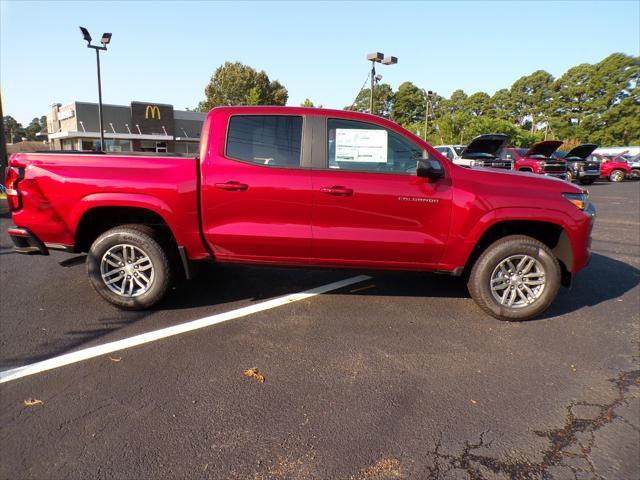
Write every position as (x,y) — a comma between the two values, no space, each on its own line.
(256,190)
(369,206)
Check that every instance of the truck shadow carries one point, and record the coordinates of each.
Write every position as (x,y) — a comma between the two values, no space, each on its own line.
(603,280)
(231,286)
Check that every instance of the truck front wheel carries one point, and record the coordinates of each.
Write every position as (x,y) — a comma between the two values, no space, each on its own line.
(129,267)
(516,278)
(616,176)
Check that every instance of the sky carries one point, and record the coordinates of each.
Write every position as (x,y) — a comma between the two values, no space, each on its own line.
(166,51)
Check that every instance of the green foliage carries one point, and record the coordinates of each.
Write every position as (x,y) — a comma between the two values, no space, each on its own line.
(309,104)
(409,104)
(236,84)
(13,130)
(382,100)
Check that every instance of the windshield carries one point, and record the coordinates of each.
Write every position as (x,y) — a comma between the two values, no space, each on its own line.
(459,149)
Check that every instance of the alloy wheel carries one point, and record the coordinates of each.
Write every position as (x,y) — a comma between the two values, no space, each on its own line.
(517,281)
(127,270)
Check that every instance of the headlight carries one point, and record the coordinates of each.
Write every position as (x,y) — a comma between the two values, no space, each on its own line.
(580,200)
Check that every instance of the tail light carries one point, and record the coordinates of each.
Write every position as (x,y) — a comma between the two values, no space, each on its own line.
(13,175)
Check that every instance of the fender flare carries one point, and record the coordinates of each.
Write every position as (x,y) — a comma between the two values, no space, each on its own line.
(563,250)
(128,200)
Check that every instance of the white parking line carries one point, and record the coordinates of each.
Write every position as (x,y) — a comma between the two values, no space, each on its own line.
(87,353)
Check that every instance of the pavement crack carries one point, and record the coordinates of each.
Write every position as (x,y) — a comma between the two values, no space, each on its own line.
(569,446)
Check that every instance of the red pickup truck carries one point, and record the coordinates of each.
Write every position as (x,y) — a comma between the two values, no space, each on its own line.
(303,187)
(537,159)
(614,167)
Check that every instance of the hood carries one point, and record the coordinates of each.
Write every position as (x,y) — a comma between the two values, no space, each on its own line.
(544,149)
(484,145)
(520,181)
(580,152)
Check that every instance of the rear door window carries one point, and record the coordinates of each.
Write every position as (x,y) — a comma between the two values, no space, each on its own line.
(270,140)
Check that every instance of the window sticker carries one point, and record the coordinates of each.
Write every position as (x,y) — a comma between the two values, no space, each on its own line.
(355,145)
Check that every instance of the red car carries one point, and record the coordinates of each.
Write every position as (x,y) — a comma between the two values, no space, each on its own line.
(615,168)
(537,159)
(304,187)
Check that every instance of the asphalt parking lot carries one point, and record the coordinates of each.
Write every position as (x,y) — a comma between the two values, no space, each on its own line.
(398,375)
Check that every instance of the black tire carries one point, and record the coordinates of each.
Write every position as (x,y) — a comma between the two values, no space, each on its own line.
(479,283)
(587,181)
(635,174)
(146,240)
(616,176)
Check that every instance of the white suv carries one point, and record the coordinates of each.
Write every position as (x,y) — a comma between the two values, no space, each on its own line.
(452,152)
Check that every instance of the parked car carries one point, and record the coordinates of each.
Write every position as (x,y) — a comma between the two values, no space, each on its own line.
(537,159)
(578,168)
(634,165)
(267,190)
(452,152)
(483,151)
(613,168)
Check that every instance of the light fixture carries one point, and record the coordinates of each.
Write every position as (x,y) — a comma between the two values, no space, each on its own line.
(85,34)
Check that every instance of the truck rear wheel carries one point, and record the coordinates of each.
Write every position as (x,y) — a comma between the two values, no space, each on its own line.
(516,278)
(129,267)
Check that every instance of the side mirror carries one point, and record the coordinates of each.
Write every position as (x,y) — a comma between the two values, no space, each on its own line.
(429,169)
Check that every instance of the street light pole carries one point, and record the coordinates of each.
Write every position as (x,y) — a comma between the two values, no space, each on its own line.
(100,101)
(426,113)
(373,79)
(374,58)
(106,38)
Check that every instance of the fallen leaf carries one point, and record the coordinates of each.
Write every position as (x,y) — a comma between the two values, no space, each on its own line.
(30,402)
(115,359)
(255,374)
(473,401)
(573,368)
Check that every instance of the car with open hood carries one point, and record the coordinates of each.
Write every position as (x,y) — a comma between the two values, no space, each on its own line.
(578,167)
(537,159)
(614,168)
(483,151)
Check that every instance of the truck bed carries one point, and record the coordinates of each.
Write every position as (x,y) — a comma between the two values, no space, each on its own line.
(59,189)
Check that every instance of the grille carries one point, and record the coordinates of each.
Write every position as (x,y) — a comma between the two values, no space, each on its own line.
(554,168)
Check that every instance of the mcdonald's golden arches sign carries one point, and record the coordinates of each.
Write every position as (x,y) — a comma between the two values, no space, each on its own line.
(152,118)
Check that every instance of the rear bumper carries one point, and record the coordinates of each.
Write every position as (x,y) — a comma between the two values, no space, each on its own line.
(26,242)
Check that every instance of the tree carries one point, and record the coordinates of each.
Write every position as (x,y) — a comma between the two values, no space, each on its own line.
(382,100)
(599,102)
(33,129)
(309,104)
(237,84)
(478,104)
(531,97)
(409,105)
(13,130)
(502,105)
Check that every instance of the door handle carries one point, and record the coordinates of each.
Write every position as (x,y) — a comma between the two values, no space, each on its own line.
(232,186)
(337,190)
